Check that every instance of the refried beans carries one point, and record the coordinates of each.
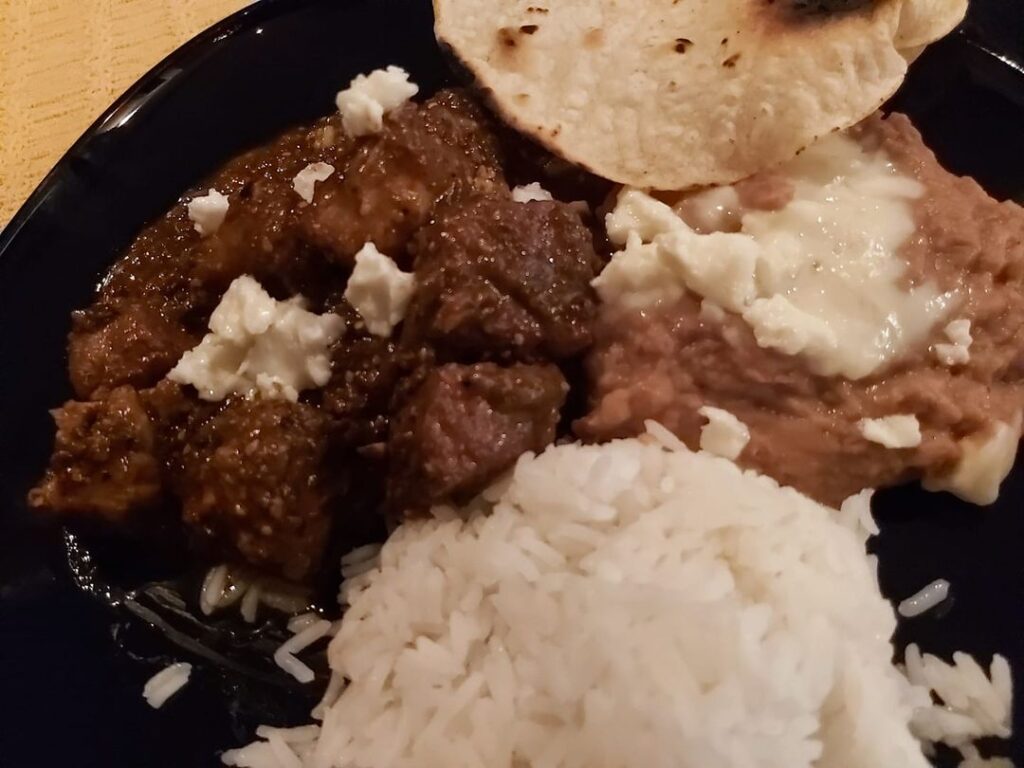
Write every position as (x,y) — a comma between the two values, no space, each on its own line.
(666,362)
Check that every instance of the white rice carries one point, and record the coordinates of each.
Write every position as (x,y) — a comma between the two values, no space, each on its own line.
(924,600)
(165,683)
(212,594)
(298,623)
(618,605)
(628,604)
(360,560)
(973,759)
(972,704)
(224,586)
(250,603)
(855,513)
(285,657)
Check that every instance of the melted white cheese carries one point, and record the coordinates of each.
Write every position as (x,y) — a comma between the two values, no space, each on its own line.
(899,431)
(985,462)
(724,435)
(715,209)
(711,312)
(208,212)
(379,291)
(259,345)
(820,278)
(305,181)
(369,97)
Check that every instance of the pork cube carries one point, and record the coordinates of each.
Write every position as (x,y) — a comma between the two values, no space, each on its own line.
(390,185)
(366,372)
(104,462)
(130,343)
(252,484)
(464,426)
(504,280)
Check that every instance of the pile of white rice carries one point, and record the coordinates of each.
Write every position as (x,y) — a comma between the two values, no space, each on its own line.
(631,604)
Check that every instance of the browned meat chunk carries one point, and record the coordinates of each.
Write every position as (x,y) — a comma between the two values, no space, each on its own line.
(133,344)
(260,235)
(388,188)
(103,461)
(180,276)
(464,426)
(176,412)
(503,279)
(366,371)
(252,484)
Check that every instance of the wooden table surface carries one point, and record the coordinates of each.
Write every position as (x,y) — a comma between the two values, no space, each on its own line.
(62,62)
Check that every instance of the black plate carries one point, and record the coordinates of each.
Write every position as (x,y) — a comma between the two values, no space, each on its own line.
(71,665)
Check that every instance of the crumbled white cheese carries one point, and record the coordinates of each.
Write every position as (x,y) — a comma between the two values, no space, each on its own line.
(724,435)
(208,212)
(985,461)
(260,345)
(305,181)
(826,265)
(530,192)
(379,290)
(638,277)
(899,431)
(369,97)
(957,352)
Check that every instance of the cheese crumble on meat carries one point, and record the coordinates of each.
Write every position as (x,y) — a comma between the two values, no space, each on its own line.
(369,97)
(530,192)
(379,290)
(208,212)
(899,431)
(957,351)
(809,278)
(258,345)
(305,181)
(724,435)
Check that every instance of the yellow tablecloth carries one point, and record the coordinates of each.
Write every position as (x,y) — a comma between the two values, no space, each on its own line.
(62,62)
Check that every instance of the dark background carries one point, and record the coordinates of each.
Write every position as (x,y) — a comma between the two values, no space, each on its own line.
(72,665)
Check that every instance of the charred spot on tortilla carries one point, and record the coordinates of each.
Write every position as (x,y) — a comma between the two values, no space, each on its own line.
(819,10)
(731,61)
(529,29)
(507,37)
(683,44)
